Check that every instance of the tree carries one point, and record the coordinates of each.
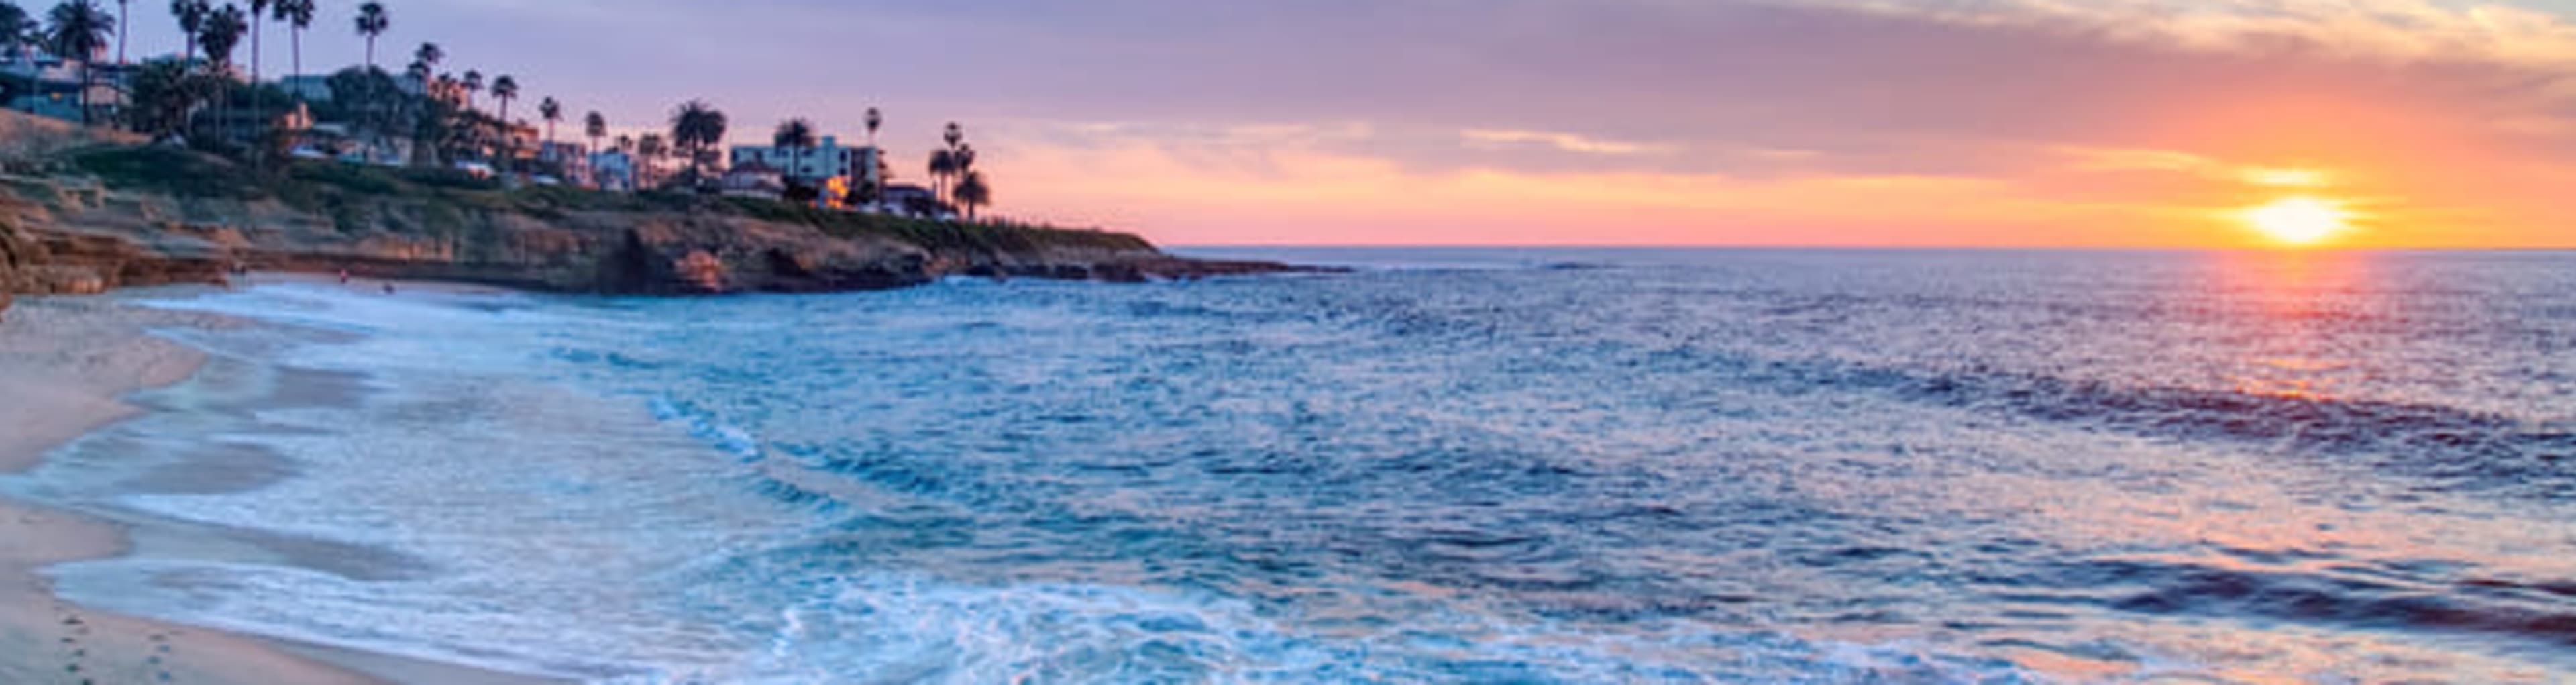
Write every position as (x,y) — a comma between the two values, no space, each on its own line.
(374,100)
(222,33)
(697,127)
(959,158)
(15,30)
(163,91)
(79,29)
(874,120)
(797,136)
(972,193)
(504,89)
(258,15)
(473,83)
(648,157)
(429,55)
(943,162)
(551,111)
(372,22)
(298,15)
(596,126)
(192,15)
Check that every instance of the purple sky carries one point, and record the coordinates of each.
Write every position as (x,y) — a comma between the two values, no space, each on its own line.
(2115,122)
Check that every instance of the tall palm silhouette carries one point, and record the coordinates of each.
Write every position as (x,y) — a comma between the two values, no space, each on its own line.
(972,192)
(504,89)
(192,16)
(258,15)
(797,136)
(427,58)
(372,21)
(943,163)
(220,34)
(78,30)
(551,111)
(596,126)
(473,84)
(648,157)
(874,120)
(298,15)
(696,127)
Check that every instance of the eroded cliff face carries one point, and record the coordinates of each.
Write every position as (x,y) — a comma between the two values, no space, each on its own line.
(73,235)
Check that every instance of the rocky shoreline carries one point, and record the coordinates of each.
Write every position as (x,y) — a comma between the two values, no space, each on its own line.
(66,232)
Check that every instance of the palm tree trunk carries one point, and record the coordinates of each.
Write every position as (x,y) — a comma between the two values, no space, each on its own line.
(295,42)
(371,52)
(121,25)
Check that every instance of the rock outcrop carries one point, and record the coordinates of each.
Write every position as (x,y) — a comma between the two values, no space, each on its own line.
(66,231)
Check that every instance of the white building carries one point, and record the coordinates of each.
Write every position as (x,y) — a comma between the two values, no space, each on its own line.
(814,165)
(612,170)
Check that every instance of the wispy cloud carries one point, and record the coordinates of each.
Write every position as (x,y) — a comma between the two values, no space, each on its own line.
(1565,142)
(2172,161)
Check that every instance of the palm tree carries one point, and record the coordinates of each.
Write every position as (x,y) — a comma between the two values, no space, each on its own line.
(943,162)
(222,32)
(429,55)
(79,29)
(472,84)
(298,15)
(957,161)
(551,111)
(874,120)
(258,14)
(372,22)
(505,89)
(648,156)
(972,193)
(121,27)
(696,127)
(192,15)
(596,126)
(15,30)
(797,135)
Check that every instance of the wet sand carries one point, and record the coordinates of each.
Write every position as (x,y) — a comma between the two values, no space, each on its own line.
(64,365)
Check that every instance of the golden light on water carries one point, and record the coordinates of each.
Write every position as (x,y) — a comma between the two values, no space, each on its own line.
(2299,221)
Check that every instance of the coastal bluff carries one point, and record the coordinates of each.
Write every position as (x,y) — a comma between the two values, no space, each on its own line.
(95,216)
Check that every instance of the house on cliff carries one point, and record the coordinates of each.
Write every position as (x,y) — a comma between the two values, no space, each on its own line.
(754,180)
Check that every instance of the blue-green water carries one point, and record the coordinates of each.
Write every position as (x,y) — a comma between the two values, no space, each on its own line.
(1450,465)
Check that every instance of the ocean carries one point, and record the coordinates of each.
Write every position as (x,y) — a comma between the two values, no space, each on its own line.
(1448,465)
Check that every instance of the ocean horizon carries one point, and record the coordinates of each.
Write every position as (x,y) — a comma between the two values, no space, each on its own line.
(1508,464)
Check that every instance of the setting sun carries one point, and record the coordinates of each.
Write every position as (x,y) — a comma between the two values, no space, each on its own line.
(2299,220)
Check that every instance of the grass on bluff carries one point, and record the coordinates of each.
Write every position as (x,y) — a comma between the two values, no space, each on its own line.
(349,194)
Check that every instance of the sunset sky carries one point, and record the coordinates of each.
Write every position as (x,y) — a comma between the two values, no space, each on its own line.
(2156,123)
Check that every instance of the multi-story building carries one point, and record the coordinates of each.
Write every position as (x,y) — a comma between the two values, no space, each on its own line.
(815,165)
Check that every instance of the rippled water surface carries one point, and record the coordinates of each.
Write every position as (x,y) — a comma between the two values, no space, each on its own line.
(1450,465)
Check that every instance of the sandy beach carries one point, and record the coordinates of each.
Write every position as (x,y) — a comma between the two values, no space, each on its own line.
(64,365)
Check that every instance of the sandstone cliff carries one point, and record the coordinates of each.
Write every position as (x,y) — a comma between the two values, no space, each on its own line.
(108,216)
